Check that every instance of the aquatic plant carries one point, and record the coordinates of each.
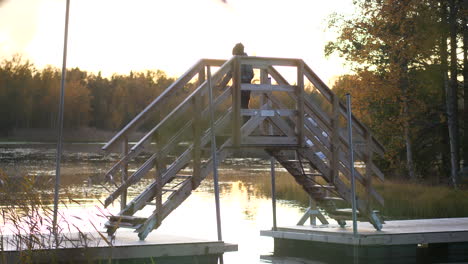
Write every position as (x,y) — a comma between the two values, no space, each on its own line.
(26,215)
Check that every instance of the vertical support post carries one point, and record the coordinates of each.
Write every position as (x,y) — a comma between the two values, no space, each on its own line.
(312,206)
(300,104)
(351,164)
(60,126)
(263,80)
(158,194)
(201,80)
(236,101)
(214,157)
(196,153)
(123,196)
(368,162)
(160,166)
(335,138)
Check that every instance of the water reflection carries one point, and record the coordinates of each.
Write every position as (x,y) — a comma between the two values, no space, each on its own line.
(244,190)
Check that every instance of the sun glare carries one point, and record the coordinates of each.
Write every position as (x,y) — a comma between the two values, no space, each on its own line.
(119,36)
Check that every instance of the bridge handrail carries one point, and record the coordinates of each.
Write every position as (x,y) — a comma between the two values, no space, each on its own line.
(328,94)
(161,99)
(215,78)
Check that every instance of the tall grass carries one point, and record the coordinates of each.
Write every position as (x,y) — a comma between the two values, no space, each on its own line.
(402,200)
(27,221)
(411,201)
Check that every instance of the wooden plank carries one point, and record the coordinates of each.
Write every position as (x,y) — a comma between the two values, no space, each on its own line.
(282,126)
(267,88)
(368,173)
(90,247)
(123,198)
(342,189)
(328,94)
(264,80)
(180,108)
(268,112)
(173,201)
(268,141)
(196,140)
(264,62)
(277,76)
(134,178)
(166,95)
(377,172)
(335,141)
(251,125)
(396,232)
(300,103)
(139,201)
(236,101)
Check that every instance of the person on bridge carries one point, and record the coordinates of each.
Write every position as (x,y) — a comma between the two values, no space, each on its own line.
(247,75)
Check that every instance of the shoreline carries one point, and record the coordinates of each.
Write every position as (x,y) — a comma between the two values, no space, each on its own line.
(79,135)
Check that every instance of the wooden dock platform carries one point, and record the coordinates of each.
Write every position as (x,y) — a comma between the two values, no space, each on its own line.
(402,241)
(160,248)
(402,232)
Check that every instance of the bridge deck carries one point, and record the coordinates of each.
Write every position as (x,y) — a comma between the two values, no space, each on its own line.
(402,232)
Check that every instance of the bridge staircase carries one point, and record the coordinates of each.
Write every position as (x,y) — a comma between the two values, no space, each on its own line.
(301,125)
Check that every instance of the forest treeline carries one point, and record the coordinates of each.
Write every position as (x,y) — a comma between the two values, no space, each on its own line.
(410,83)
(29,97)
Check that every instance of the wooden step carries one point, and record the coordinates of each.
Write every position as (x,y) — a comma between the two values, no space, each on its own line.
(332,198)
(313,174)
(125,221)
(328,187)
(346,214)
(182,176)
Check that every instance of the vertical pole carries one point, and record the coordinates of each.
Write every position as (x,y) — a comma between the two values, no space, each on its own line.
(312,206)
(196,152)
(60,125)
(351,165)
(263,98)
(214,157)
(300,104)
(158,195)
(266,80)
(123,197)
(236,101)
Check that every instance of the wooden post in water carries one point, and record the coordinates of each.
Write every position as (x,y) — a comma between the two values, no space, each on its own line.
(351,164)
(265,80)
(214,156)
(60,127)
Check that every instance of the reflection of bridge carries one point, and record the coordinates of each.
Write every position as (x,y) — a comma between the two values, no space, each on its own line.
(302,131)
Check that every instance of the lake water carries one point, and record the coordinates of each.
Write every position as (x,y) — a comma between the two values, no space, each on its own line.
(244,189)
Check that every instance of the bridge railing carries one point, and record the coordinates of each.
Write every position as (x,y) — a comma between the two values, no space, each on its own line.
(303,118)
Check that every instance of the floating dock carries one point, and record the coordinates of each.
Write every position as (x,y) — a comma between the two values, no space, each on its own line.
(76,248)
(404,241)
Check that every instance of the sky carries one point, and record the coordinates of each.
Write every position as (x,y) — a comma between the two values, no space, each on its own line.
(116,36)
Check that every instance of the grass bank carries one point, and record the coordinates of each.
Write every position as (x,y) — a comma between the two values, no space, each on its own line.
(402,200)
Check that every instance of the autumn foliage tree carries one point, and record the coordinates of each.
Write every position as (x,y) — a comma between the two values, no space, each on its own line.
(398,87)
(29,97)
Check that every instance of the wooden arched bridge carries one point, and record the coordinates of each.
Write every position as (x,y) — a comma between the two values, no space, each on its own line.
(301,124)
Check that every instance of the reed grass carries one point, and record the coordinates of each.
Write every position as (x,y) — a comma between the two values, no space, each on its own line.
(402,200)
(412,201)
(27,224)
